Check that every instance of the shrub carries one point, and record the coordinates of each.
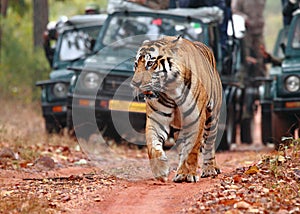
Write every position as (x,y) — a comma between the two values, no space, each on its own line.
(21,65)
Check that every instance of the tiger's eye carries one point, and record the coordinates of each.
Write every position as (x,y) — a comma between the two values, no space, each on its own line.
(150,63)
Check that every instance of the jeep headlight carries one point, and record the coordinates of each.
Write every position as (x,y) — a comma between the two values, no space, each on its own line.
(292,83)
(91,80)
(60,90)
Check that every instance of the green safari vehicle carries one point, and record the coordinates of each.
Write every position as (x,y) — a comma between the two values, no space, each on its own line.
(75,41)
(280,94)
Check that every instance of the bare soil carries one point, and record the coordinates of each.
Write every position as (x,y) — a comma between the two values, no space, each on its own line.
(115,180)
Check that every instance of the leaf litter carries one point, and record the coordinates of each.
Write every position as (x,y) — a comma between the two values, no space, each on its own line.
(272,185)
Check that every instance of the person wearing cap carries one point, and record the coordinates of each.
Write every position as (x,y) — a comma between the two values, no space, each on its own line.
(49,35)
(92,8)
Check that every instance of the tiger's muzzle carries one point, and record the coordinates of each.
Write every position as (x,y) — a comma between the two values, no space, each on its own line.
(145,90)
(150,95)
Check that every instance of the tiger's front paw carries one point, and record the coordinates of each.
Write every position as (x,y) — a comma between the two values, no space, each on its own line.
(186,178)
(159,165)
(210,171)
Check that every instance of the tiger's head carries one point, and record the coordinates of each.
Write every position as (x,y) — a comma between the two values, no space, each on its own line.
(155,67)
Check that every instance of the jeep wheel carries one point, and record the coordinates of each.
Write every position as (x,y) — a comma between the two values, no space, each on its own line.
(246,130)
(70,127)
(84,131)
(81,127)
(230,131)
(52,127)
(266,123)
(281,126)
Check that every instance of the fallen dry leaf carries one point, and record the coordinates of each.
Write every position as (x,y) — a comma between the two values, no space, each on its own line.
(281,158)
(252,170)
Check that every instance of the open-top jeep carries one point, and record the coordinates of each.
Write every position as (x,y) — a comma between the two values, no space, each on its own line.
(280,94)
(76,38)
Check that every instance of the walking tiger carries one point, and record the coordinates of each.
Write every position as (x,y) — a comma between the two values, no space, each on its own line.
(182,89)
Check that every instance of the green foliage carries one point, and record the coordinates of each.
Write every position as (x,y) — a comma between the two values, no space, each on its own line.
(71,7)
(20,64)
(19,6)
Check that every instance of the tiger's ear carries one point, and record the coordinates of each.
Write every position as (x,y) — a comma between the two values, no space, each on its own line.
(179,37)
(145,41)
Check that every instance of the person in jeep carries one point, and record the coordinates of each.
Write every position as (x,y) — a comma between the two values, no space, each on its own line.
(50,37)
(289,8)
(92,8)
(153,4)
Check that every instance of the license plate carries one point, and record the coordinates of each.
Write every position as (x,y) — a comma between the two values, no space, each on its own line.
(120,105)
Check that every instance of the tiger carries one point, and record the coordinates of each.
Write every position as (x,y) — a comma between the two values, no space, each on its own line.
(183,90)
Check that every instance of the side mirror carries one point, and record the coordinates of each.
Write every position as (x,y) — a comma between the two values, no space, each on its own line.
(282,46)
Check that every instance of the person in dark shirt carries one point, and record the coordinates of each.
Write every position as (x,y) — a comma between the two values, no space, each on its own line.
(289,8)
(224,5)
(50,36)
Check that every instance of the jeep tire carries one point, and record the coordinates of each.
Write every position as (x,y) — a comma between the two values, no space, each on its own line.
(52,126)
(282,125)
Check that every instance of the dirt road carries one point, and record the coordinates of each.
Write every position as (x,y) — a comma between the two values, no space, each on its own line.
(115,180)
(148,196)
(117,184)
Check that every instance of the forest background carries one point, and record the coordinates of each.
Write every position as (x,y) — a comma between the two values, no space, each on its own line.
(22,59)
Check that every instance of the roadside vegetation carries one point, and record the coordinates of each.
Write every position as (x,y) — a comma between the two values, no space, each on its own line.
(20,64)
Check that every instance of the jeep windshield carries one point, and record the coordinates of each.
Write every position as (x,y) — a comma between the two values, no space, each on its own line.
(151,25)
(296,34)
(77,43)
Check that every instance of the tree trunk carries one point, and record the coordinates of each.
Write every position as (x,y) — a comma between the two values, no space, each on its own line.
(3,9)
(40,21)
(4,4)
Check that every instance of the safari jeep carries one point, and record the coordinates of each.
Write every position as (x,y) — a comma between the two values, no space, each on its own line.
(280,94)
(76,38)
(100,94)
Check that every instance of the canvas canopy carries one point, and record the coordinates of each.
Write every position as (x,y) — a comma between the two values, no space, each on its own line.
(205,14)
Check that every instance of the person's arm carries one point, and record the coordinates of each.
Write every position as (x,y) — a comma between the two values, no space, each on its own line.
(158,4)
(153,4)
(237,8)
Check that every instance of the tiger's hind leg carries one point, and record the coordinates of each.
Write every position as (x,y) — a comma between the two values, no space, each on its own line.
(187,168)
(209,166)
(190,142)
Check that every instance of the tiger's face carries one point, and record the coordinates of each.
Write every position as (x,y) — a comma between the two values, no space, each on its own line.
(155,72)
